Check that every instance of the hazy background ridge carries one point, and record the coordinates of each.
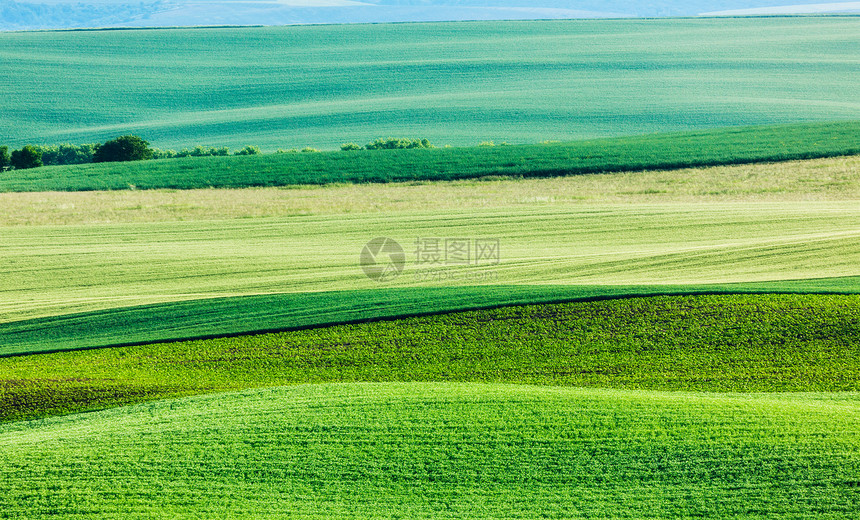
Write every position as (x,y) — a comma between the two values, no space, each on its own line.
(49,14)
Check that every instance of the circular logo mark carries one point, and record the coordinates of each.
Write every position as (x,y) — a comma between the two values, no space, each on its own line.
(382,259)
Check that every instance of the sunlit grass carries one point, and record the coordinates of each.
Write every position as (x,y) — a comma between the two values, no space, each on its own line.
(720,343)
(52,270)
(441,451)
(792,181)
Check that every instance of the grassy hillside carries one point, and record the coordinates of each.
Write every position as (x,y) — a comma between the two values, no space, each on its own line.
(655,296)
(216,262)
(441,451)
(738,343)
(832,179)
(55,270)
(648,152)
(203,318)
(457,84)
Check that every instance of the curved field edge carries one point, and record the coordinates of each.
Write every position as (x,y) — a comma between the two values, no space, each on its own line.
(676,150)
(441,450)
(714,343)
(220,317)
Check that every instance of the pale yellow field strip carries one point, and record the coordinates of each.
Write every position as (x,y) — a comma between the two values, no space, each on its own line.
(49,270)
(836,179)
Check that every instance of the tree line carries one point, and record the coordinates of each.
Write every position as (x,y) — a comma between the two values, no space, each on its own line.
(121,149)
(134,148)
(125,148)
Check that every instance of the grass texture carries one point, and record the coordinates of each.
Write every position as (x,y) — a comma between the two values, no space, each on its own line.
(833,179)
(56,270)
(209,318)
(715,343)
(441,451)
(454,83)
(646,152)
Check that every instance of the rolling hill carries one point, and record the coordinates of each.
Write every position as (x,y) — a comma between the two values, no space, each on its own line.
(441,451)
(454,83)
(727,342)
(91,268)
(660,321)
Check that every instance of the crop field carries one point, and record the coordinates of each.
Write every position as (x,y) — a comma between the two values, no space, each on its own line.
(53,270)
(94,268)
(717,343)
(441,450)
(705,361)
(832,179)
(204,318)
(657,316)
(454,83)
(650,152)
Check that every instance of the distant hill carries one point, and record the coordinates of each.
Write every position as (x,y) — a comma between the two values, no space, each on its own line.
(48,14)
(452,83)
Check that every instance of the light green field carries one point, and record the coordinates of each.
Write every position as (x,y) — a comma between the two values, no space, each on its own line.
(284,258)
(459,83)
(833,179)
(441,451)
(51,270)
(75,252)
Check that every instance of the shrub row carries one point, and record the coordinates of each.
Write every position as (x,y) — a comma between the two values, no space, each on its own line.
(133,148)
(389,143)
(124,148)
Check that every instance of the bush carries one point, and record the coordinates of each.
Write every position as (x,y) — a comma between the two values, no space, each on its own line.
(122,149)
(393,143)
(67,154)
(291,150)
(163,154)
(248,150)
(4,157)
(308,149)
(25,158)
(349,147)
(203,151)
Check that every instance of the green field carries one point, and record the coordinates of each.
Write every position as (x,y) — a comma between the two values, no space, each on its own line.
(720,343)
(454,83)
(441,451)
(670,329)
(94,269)
(54,270)
(650,152)
(218,317)
(823,180)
